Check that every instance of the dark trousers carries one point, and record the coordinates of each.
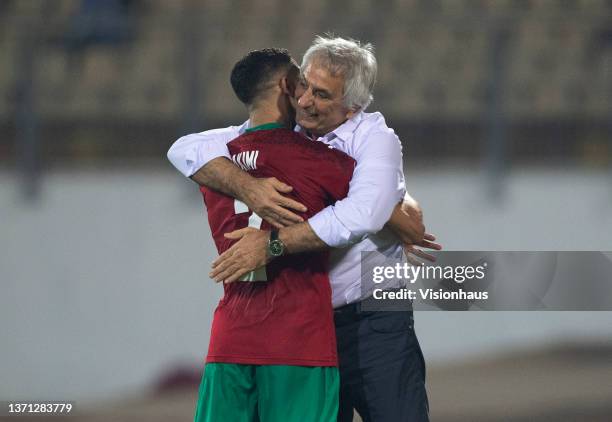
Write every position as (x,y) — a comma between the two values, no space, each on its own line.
(382,370)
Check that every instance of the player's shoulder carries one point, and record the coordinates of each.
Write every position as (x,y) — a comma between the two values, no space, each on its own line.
(320,149)
(299,145)
(274,136)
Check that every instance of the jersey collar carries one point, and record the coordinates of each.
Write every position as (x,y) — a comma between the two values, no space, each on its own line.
(265,126)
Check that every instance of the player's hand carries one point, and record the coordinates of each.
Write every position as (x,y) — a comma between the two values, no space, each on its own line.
(415,255)
(265,197)
(407,221)
(249,253)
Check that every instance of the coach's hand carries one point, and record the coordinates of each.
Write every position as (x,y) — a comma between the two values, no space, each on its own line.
(265,197)
(249,253)
(414,254)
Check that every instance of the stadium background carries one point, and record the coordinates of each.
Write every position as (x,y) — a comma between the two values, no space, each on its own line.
(504,109)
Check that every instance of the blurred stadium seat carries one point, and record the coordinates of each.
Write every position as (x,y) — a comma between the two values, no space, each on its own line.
(435,58)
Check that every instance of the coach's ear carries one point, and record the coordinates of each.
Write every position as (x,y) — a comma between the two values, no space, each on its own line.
(351,112)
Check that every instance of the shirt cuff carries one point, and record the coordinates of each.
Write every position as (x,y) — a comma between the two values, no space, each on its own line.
(329,229)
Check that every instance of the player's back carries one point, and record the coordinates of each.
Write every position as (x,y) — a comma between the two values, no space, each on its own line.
(287,317)
(318,174)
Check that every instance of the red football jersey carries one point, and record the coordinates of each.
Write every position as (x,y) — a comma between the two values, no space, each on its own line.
(287,317)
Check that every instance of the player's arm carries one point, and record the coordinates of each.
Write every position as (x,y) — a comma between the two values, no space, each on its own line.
(205,159)
(407,221)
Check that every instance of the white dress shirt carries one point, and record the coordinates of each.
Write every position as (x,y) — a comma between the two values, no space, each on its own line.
(356,221)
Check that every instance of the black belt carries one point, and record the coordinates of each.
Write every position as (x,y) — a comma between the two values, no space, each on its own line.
(355,308)
(350,309)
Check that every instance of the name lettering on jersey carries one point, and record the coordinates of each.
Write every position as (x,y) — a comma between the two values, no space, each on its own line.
(246,160)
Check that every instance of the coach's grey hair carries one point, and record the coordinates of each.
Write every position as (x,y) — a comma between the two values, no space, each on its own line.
(350,59)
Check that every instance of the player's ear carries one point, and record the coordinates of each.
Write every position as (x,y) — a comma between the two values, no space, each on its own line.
(287,86)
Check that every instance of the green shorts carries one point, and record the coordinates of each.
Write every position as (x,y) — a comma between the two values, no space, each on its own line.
(267,393)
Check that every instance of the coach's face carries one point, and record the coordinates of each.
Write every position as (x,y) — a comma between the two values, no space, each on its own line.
(319,95)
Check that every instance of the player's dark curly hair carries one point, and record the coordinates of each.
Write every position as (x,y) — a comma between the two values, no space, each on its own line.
(254,73)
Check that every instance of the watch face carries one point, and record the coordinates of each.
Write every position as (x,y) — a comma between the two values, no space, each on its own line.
(276,248)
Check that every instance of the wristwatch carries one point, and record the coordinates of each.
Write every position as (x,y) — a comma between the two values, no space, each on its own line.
(276,247)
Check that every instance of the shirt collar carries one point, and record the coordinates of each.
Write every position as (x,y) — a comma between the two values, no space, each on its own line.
(344,132)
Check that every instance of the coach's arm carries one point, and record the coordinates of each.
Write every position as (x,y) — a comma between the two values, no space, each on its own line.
(370,204)
(375,193)
(204,158)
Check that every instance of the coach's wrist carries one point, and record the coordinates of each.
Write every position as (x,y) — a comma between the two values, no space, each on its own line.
(246,190)
(276,247)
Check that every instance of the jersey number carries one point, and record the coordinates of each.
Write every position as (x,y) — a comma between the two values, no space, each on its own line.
(258,274)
